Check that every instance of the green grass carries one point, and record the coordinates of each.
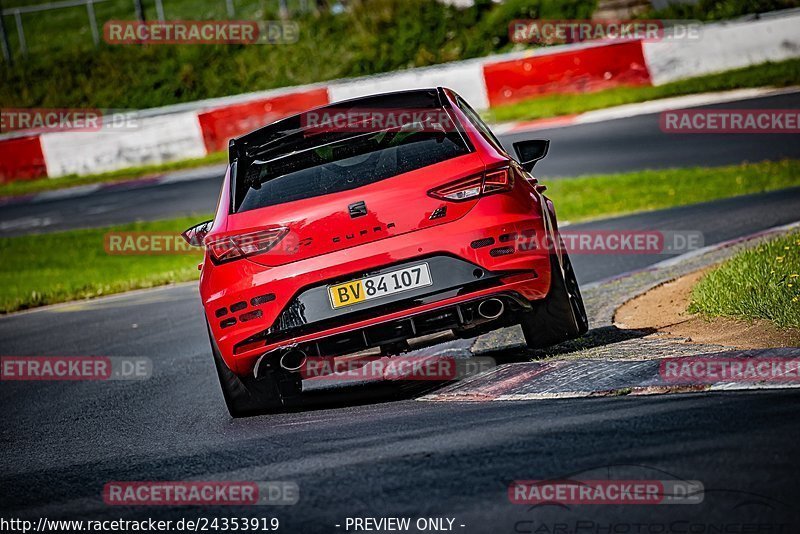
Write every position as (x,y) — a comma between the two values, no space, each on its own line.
(761,283)
(615,194)
(26,187)
(68,28)
(49,268)
(64,69)
(780,74)
(44,269)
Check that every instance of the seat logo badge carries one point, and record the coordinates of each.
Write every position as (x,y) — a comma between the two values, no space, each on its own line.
(358,209)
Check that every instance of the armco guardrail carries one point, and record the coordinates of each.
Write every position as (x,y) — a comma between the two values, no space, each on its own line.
(195,129)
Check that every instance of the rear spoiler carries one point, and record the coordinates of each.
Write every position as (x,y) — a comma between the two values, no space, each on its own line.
(274,133)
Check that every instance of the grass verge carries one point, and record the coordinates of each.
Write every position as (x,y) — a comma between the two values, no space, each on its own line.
(780,74)
(761,283)
(49,268)
(58,267)
(63,69)
(28,187)
(588,197)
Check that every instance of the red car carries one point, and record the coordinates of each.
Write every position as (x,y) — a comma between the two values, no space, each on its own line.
(404,218)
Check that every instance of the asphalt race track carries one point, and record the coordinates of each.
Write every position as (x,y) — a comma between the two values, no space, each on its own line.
(375,451)
(637,143)
(620,145)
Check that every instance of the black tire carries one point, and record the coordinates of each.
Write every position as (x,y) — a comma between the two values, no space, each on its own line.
(561,315)
(247,396)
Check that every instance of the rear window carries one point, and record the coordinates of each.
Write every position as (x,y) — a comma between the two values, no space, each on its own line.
(340,165)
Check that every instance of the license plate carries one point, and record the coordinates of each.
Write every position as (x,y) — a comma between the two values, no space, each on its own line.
(380,285)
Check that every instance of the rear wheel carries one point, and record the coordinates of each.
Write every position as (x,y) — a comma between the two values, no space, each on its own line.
(561,315)
(248,396)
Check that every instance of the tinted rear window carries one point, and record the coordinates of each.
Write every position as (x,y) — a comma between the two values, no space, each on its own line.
(340,165)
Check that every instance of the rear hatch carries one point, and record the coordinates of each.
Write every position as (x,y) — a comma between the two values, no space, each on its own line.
(330,193)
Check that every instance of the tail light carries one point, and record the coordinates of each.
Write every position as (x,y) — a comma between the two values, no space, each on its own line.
(486,183)
(234,247)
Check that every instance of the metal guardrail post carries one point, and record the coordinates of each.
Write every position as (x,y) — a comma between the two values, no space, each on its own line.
(23,46)
(93,22)
(17,13)
(137,4)
(4,39)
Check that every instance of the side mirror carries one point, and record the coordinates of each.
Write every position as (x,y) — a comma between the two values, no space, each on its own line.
(195,235)
(531,151)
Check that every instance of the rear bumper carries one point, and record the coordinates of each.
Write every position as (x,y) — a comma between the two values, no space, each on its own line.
(454,313)
(257,300)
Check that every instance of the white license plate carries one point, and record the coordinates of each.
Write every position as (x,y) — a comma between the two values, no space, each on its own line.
(381,285)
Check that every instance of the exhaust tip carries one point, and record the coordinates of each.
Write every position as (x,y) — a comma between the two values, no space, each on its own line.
(491,308)
(293,360)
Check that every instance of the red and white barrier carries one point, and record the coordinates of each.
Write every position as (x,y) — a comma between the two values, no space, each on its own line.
(464,77)
(223,123)
(196,129)
(578,69)
(21,158)
(153,140)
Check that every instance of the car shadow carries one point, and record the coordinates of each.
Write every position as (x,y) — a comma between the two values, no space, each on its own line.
(597,337)
(360,394)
